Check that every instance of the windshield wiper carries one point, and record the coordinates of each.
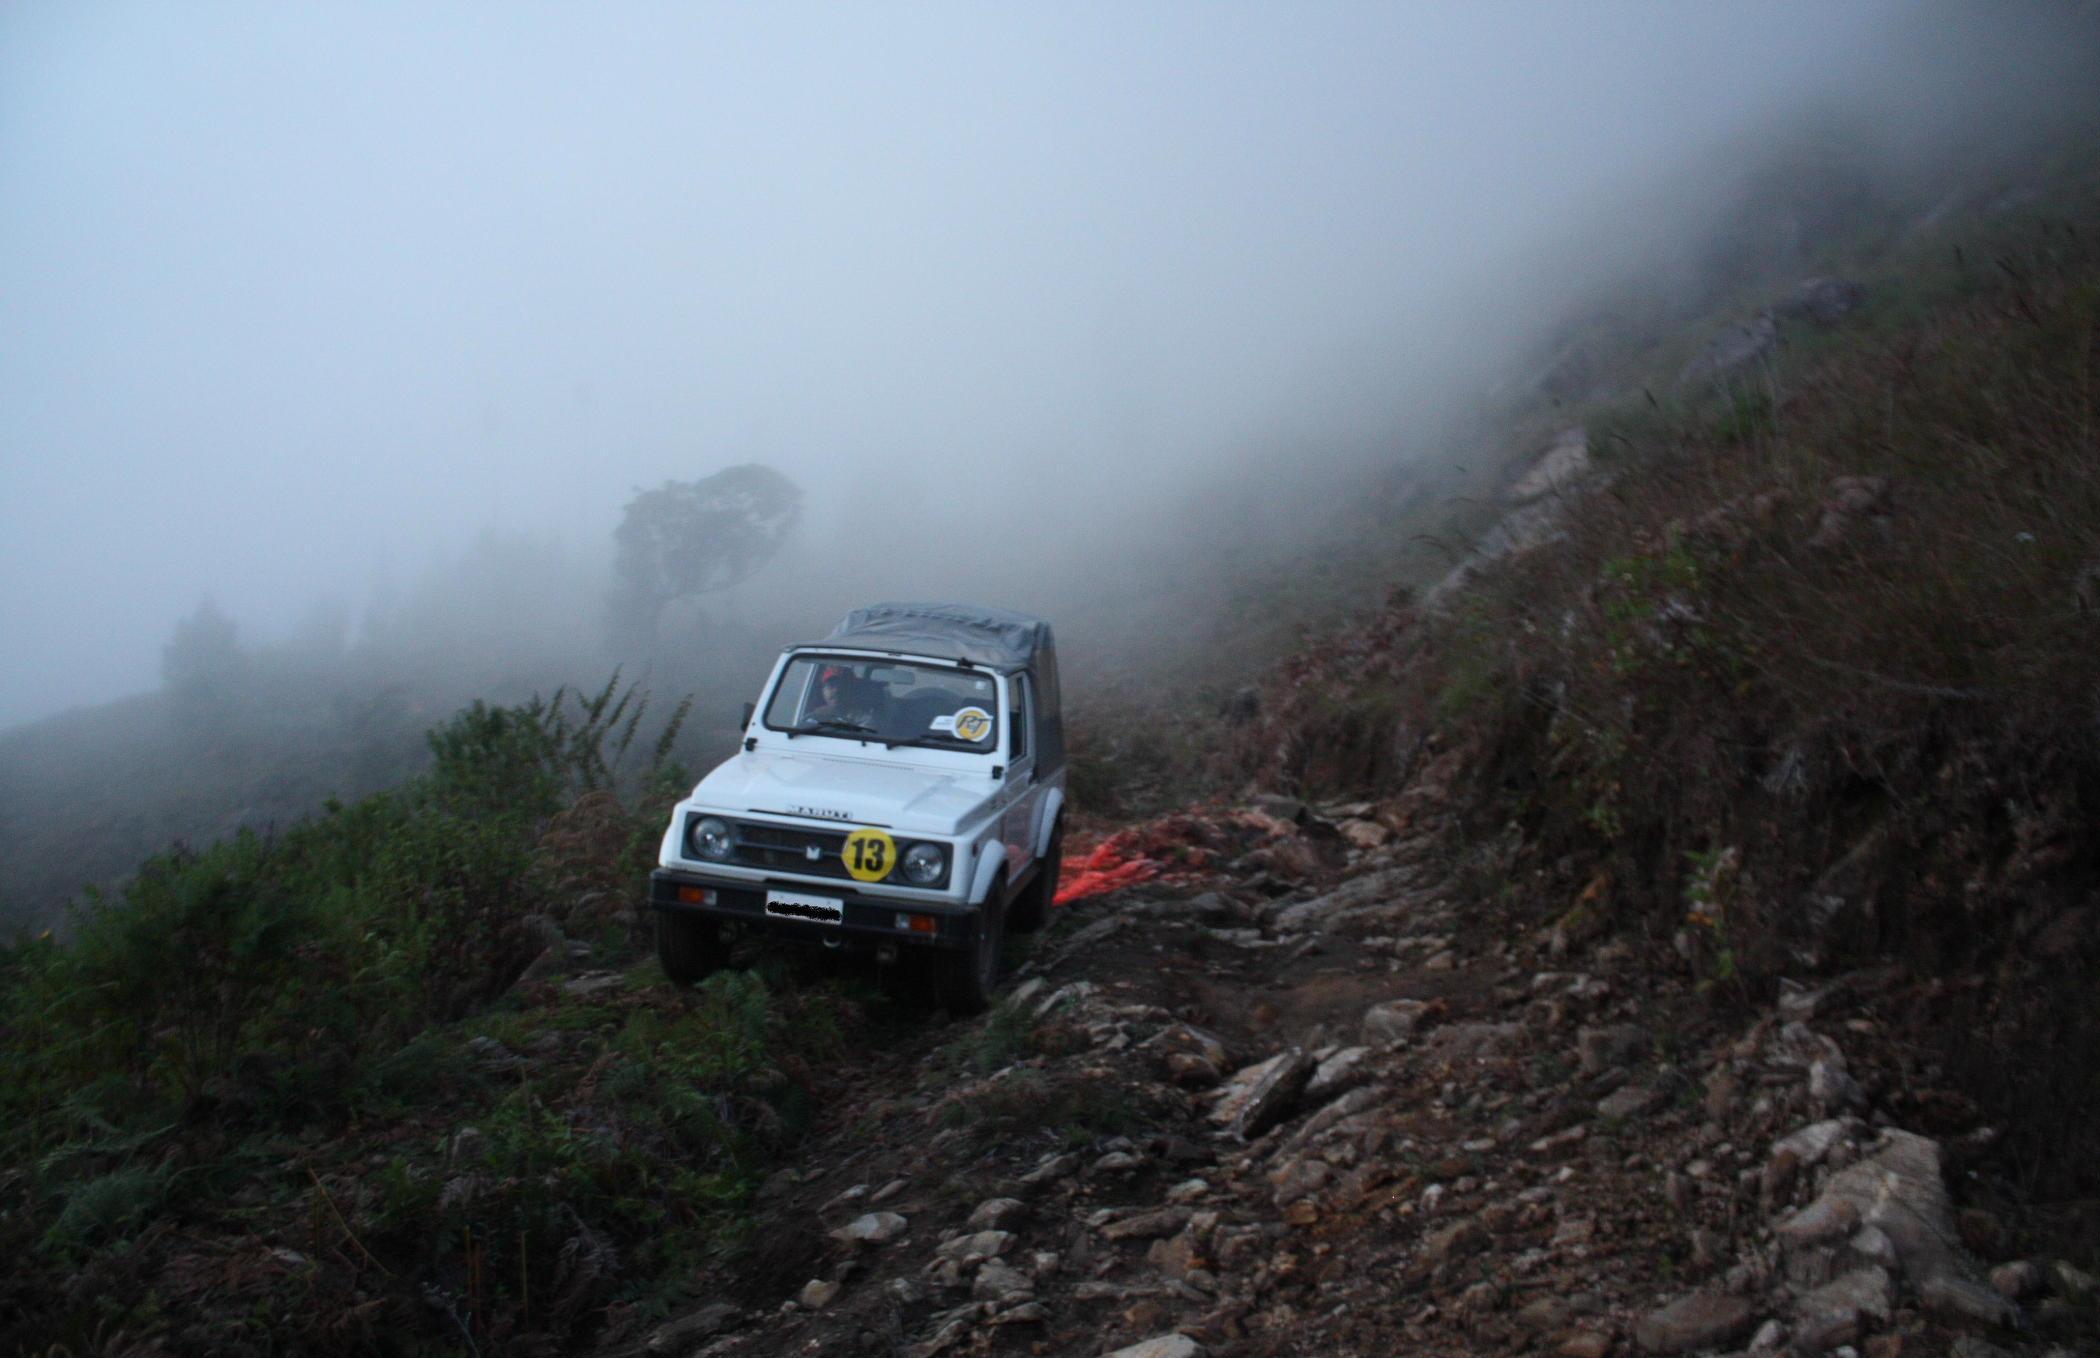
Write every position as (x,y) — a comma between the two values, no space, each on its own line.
(835,724)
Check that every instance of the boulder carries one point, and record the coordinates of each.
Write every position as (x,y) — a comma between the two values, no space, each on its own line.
(1027,1313)
(1298,1178)
(1161,1221)
(1737,347)
(1273,1096)
(1188,1040)
(1584,1343)
(1965,1299)
(1162,1346)
(974,1248)
(1289,810)
(1358,1100)
(1003,1284)
(1454,1242)
(2072,1283)
(1838,1311)
(1460,1042)
(1175,1256)
(994,1213)
(679,1336)
(1871,1245)
(1846,501)
(1052,1168)
(1338,1074)
(1262,1094)
(1821,301)
(1898,1190)
(1564,463)
(1608,1048)
(1368,893)
(1393,1021)
(1822,1220)
(1543,1314)
(1628,1101)
(1701,1320)
(1810,1144)
(875,1228)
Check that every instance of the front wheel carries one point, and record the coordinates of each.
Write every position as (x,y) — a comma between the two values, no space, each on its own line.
(689,947)
(963,981)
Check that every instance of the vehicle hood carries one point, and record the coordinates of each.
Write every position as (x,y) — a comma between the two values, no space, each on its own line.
(846,791)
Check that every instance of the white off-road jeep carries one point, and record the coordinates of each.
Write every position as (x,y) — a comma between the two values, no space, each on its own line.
(900,788)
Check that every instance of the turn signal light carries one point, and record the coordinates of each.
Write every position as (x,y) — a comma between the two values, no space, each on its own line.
(696,895)
(919,924)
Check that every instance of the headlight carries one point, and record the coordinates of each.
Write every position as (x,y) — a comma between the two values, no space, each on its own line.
(710,838)
(923,864)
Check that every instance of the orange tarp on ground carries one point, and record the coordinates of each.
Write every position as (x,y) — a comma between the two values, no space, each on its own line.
(1180,847)
(1103,870)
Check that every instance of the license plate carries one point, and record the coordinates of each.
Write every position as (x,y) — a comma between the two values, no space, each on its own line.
(813,909)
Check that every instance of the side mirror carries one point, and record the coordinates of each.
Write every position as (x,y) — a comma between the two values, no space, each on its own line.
(745,724)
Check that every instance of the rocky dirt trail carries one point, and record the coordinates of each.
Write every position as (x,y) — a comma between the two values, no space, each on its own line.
(1313,1098)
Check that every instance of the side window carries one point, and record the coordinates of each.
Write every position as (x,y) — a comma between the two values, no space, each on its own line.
(1022,717)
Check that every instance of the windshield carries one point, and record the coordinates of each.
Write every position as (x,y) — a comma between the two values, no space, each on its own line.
(857,698)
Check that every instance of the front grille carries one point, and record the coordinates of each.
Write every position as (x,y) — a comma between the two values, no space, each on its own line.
(784,848)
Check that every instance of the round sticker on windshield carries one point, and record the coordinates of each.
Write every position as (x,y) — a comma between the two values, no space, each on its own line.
(869,855)
(973,724)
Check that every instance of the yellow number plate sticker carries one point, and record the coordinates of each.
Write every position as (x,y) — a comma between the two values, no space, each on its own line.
(870,854)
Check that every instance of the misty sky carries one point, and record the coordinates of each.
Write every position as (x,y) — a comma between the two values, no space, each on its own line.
(297,297)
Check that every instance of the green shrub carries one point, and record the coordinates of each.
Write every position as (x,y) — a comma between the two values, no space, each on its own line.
(107,1207)
(280,979)
(167,982)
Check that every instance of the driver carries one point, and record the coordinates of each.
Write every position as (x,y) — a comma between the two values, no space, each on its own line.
(842,697)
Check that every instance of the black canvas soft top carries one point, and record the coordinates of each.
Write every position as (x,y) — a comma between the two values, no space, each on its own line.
(993,637)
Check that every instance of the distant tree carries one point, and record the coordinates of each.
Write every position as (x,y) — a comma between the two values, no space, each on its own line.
(687,538)
(202,662)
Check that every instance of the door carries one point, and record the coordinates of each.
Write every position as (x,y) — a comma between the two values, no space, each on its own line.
(1024,798)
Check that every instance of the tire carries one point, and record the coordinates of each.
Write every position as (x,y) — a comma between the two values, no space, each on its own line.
(1032,906)
(690,948)
(963,982)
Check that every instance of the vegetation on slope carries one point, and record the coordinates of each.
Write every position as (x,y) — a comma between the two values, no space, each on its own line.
(1808,683)
(274,1097)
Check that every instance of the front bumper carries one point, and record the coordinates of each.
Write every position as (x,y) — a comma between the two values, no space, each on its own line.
(864,919)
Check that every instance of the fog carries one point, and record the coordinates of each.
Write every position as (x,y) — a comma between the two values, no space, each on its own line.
(298,304)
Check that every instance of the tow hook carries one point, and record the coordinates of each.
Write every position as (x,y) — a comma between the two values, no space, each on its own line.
(886,954)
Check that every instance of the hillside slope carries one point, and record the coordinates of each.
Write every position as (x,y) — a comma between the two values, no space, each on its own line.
(1673,932)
